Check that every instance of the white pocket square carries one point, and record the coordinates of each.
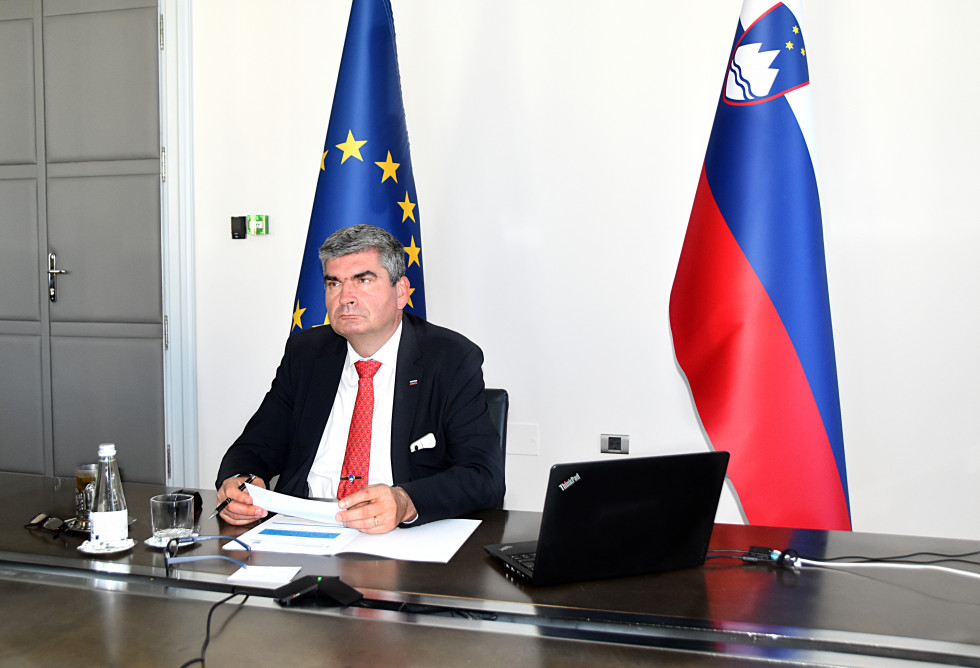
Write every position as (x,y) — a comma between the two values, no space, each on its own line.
(424,443)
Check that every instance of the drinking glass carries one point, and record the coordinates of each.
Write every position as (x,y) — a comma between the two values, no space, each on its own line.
(171,516)
(84,484)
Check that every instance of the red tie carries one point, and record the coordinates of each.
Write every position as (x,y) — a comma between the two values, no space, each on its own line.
(357,459)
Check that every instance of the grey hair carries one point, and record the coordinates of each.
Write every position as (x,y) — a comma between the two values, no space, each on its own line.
(359,238)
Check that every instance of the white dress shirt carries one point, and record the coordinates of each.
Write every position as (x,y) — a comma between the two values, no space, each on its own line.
(324,477)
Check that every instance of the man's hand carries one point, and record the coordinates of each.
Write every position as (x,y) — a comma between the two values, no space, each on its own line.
(240,510)
(376,509)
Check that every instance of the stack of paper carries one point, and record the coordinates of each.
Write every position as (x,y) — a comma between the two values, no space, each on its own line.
(303,526)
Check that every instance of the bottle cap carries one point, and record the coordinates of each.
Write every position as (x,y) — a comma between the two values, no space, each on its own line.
(107,449)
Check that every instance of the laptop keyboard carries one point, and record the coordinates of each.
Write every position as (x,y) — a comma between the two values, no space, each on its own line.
(525,559)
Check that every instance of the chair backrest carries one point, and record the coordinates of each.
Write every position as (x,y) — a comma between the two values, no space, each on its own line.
(497,403)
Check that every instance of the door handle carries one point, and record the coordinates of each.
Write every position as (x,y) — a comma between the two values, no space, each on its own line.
(53,272)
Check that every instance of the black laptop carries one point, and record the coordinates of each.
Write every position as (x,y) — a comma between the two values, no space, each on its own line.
(621,517)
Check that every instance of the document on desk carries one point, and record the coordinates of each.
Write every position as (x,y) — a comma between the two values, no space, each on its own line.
(308,527)
(284,504)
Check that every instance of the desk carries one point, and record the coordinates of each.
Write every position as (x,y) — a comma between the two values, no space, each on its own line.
(169,629)
(744,612)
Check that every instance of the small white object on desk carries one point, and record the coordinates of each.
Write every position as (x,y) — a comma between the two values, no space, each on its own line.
(90,547)
(160,541)
(264,575)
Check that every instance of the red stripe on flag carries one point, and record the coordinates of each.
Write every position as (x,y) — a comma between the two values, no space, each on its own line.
(747,382)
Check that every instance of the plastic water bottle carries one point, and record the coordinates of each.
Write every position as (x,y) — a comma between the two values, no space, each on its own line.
(110,519)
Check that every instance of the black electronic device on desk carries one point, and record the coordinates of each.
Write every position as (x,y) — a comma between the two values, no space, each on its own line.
(624,517)
(320,590)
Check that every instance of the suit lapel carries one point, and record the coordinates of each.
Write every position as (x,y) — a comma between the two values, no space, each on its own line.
(326,368)
(408,384)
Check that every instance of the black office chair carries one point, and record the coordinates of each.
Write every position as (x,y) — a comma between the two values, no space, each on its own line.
(497,403)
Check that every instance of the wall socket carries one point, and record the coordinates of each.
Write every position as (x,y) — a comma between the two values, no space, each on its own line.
(617,444)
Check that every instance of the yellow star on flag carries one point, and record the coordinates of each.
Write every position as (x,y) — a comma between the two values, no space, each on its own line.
(351,147)
(388,168)
(789,45)
(322,160)
(796,30)
(802,52)
(410,291)
(408,208)
(413,252)
(297,317)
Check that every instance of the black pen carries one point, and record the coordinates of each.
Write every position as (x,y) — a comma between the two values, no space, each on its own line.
(224,504)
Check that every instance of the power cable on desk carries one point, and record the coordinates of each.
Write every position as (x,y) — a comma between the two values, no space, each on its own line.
(792,559)
(207,635)
(906,558)
(886,564)
(726,554)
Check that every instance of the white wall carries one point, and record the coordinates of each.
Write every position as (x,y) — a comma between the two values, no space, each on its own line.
(556,148)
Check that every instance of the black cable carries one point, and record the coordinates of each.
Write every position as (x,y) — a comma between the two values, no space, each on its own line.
(723,556)
(207,635)
(726,554)
(786,557)
(905,558)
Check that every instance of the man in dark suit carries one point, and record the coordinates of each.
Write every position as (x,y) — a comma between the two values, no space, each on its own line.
(443,459)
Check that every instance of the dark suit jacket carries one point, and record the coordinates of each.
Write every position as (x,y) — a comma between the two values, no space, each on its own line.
(438,390)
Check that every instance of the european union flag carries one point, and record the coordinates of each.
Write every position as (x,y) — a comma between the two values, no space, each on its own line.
(366,168)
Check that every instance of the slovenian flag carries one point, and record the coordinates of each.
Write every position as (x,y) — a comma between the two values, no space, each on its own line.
(366,168)
(749,308)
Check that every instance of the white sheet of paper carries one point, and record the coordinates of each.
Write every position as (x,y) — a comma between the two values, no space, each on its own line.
(297,535)
(264,575)
(274,502)
(434,542)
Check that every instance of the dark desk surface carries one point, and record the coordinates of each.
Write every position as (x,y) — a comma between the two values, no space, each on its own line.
(136,628)
(741,610)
